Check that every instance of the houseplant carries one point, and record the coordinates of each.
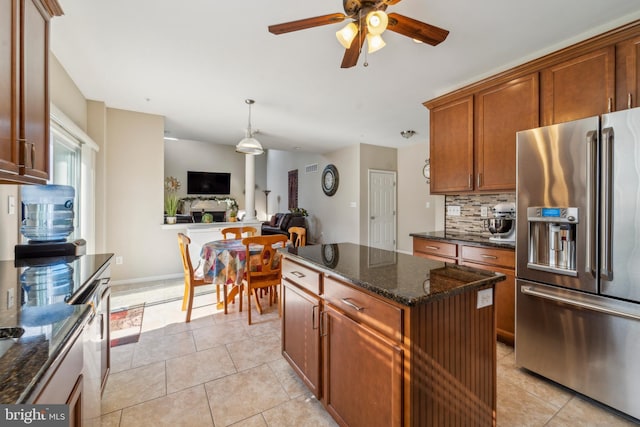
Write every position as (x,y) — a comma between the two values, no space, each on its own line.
(171,200)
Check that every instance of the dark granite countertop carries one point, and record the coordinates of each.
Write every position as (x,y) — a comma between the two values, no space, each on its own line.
(41,289)
(405,279)
(466,238)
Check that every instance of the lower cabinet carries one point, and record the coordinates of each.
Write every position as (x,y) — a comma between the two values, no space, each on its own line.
(301,334)
(363,373)
(501,261)
(66,383)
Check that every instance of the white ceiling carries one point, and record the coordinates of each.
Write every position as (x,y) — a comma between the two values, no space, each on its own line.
(196,61)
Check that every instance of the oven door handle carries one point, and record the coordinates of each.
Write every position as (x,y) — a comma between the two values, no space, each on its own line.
(583,303)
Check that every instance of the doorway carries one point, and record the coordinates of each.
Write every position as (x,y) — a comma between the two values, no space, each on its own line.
(382,209)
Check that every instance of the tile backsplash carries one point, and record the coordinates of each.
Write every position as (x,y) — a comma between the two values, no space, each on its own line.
(470,219)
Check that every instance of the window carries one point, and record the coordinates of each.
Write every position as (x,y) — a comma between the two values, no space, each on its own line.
(73,163)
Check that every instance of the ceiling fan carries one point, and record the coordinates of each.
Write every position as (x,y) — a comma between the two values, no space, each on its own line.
(368,21)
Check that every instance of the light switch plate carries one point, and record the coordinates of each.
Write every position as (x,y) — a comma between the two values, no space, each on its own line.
(11,204)
(483,211)
(485,298)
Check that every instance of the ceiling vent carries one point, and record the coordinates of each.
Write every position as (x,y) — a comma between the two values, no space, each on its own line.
(311,168)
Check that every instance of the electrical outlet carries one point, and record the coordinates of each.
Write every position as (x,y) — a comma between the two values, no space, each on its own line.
(453,210)
(427,205)
(483,212)
(485,298)
(119,260)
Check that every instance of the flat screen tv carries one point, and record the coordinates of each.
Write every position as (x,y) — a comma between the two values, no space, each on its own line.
(208,183)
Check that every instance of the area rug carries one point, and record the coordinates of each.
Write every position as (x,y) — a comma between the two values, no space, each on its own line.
(126,324)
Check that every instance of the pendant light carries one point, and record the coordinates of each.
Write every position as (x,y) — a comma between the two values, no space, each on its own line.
(249,145)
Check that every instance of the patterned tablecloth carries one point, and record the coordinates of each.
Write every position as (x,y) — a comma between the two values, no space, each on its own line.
(224,261)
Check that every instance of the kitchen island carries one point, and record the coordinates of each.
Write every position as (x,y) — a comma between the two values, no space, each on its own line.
(389,339)
(55,319)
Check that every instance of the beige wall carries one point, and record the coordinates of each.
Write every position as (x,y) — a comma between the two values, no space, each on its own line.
(64,93)
(413,196)
(9,224)
(135,194)
(378,158)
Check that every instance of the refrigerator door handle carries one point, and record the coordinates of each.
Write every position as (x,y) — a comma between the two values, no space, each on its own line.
(606,269)
(592,143)
(581,303)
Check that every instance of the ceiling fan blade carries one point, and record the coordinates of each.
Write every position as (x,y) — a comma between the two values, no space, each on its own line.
(351,55)
(303,24)
(409,27)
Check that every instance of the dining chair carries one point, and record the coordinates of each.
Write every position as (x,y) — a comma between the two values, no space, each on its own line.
(264,268)
(190,279)
(238,232)
(300,234)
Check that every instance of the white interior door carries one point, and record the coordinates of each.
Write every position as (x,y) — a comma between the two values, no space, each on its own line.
(382,209)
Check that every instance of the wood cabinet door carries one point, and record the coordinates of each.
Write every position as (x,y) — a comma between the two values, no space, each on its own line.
(627,73)
(301,334)
(9,40)
(579,88)
(363,374)
(501,111)
(34,98)
(451,147)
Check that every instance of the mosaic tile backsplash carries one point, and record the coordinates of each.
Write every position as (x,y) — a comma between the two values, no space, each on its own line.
(470,219)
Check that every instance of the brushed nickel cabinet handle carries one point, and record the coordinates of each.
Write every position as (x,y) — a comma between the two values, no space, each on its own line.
(352,305)
(488,256)
(609,104)
(33,156)
(435,248)
(629,100)
(298,274)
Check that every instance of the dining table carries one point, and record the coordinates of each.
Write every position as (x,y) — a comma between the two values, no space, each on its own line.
(224,262)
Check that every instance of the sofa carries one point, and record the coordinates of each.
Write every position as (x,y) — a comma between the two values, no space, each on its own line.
(280,223)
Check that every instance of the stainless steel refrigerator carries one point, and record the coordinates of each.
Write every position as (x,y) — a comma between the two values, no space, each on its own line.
(578,256)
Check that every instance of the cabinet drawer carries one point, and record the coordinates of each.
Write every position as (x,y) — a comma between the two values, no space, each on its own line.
(365,308)
(301,276)
(435,247)
(492,256)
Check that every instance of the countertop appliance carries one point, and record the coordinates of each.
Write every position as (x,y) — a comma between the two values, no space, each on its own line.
(578,256)
(503,224)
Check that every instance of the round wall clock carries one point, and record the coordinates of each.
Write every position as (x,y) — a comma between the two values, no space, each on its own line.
(426,170)
(330,254)
(330,180)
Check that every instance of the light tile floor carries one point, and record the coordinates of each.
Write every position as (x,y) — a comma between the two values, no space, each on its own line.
(218,371)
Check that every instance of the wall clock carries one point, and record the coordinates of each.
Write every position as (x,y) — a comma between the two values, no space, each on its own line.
(330,180)
(330,255)
(426,170)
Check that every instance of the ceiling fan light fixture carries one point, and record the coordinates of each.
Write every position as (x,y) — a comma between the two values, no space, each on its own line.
(377,22)
(249,145)
(375,42)
(347,34)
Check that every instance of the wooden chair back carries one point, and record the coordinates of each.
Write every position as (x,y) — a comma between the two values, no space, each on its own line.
(239,231)
(264,269)
(298,236)
(190,281)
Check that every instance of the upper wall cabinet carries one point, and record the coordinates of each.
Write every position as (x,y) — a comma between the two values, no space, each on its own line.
(627,73)
(24,120)
(578,88)
(451,146)
(590,78)
(473,144)
(501,111)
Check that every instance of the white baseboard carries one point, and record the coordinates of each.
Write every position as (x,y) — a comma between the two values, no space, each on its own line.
(147,279)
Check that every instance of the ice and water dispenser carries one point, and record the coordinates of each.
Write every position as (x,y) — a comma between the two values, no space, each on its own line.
(552,239)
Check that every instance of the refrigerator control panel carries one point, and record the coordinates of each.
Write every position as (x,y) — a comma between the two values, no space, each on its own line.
(553,214)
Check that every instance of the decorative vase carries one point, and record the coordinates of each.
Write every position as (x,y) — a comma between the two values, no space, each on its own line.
(232,219)
(171,220)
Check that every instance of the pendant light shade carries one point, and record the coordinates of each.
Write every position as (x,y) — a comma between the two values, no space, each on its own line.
(249,145)
(375,42)
(347,34)
(377,22)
